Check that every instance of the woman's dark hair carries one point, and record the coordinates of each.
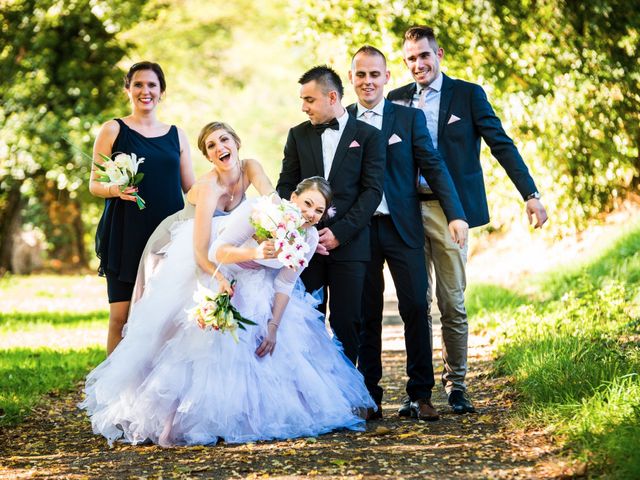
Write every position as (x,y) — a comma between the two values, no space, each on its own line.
(154,67)
(319,184)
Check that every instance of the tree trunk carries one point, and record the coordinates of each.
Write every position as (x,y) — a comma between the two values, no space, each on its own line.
(10,209)
(65,231)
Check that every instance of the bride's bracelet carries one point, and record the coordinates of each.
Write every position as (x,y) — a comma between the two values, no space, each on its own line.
(273,322)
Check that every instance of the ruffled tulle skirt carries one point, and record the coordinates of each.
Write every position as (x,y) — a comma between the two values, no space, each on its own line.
(172,383)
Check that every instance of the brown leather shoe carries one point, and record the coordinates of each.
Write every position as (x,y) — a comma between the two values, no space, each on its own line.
(374,414)
(423,409)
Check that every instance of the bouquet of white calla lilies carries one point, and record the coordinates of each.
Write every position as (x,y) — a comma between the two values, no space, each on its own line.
(282,222)
(123,172)
(215,312)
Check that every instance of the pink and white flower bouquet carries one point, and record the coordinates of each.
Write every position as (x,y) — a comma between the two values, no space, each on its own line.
(283,223)
(215,312)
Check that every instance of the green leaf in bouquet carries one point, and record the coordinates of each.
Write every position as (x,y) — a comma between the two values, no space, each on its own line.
(262,234)
(104,157)
(137,178)
(100,167)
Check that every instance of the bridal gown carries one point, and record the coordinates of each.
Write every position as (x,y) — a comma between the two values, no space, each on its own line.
(171,383)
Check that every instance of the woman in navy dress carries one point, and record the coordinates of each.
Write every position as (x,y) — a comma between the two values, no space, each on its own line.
(124,229)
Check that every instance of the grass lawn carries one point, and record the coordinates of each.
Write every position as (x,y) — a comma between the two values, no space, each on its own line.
(52,332)
(572,349)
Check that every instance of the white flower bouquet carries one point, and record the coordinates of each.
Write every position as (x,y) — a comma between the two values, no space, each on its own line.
(215,312)
(123,172)
(283,223)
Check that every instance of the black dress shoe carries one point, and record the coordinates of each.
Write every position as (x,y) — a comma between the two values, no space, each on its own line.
(374,414)
(460,403)
(405,408)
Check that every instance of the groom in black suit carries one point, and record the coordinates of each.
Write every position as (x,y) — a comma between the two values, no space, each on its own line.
(351,156)
(396,230)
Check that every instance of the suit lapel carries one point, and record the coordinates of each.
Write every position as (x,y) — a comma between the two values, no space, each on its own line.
(445,103)
(388,119)
(406,95)
(345,140)
(315,145)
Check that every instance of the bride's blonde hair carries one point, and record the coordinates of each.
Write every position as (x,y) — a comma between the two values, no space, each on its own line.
(209,128)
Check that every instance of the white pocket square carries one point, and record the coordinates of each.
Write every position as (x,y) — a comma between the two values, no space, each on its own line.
(354,144)
(394,139)
(453,119)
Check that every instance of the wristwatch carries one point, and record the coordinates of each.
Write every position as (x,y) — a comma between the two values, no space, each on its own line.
(533,195)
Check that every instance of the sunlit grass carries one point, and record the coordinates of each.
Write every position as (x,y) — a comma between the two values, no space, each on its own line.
(52,333)
(573,352)
(52,293)
(26,375)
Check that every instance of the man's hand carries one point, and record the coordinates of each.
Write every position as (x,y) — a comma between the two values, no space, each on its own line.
(459,230)
(535,208)
(328,239)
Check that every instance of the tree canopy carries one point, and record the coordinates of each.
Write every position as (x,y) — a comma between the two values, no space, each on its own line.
(565,76)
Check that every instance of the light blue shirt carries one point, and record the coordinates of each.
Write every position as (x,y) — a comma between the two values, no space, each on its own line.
(431,112)
(375,120)
(431,107)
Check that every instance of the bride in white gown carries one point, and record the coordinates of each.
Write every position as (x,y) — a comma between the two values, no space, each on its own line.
(171,383)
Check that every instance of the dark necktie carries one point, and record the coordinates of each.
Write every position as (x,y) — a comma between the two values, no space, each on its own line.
(321,127)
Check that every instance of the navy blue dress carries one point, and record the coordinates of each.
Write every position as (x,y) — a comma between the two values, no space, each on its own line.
(123,230)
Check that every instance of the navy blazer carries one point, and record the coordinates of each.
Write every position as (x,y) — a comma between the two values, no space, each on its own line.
(459,143)
(409,147)
(356,179)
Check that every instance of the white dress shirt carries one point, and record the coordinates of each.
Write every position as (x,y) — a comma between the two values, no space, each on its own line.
(373,117)
(330,139)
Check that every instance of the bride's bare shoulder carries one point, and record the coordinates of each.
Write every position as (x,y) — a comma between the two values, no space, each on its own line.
(205,185)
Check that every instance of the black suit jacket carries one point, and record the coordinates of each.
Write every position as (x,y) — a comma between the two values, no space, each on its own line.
(409,147)
(355,177)
(459,143)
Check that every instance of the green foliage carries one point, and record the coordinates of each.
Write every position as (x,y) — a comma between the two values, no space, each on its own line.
(564,76)
(59,80)
(574,356)
(28,374)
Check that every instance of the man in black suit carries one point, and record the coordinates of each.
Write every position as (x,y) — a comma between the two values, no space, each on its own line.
(351,156)
(396,230)
(458,115)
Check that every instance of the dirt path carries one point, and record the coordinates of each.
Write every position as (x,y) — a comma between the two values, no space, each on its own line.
(56,441)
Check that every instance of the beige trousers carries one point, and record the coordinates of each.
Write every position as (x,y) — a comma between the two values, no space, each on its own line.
(447,261)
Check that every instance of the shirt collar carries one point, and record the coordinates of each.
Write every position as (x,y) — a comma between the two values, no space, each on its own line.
(378,109)
(342,120)
(436,85)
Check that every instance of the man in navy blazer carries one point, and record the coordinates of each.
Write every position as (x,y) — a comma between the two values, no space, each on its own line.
(351,156)
(458,116)
(396,231)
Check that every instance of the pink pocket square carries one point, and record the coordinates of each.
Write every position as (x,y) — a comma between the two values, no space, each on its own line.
(354,144)
(453,119)
(394,139)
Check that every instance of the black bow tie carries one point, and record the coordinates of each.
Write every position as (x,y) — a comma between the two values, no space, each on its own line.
(321,127)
